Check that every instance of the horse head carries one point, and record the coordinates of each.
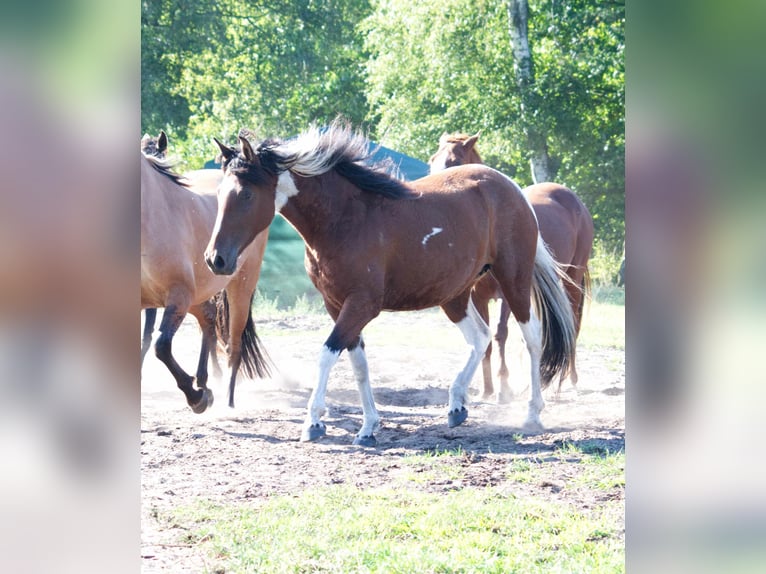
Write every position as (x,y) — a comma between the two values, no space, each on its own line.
(246,198)
(455,149)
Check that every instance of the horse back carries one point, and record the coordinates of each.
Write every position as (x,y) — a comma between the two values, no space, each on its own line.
(565,223)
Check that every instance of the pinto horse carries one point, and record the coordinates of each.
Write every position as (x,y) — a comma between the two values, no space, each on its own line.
(177,216)
(376,243)
(567,228)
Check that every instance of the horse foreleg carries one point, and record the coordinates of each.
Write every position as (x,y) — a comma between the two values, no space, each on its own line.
(206,324)
(477,334)
(150,316)
(349,322)
(198,399)
(371,423)
(314,428)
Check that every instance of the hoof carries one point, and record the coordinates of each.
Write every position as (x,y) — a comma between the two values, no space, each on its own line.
(503,398)
(456,418)
(365,440)
(313,432)
(204,403)
(532,426)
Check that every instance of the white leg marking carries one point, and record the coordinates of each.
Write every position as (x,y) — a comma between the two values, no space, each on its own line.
(285,190)
(477,334)
(362,374)
(434,231)
(533,337)
(316,406)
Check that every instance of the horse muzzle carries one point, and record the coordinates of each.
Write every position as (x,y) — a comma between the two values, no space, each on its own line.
(219,263)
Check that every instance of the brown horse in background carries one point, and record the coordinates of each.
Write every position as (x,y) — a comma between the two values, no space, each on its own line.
(375,243)
(205,312)
(177,217)
(567,228)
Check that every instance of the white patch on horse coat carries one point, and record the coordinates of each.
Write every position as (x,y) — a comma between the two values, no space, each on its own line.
(434,231)
(285,190)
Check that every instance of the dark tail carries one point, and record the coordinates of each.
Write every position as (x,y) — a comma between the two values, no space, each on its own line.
(255,360)
(554,310)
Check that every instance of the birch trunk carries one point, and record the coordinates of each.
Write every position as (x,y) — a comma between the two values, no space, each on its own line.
(523,65)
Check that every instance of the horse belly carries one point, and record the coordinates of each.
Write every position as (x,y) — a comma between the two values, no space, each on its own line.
(429,279)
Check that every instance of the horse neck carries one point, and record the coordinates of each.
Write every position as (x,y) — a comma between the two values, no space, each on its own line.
(317,205)
(473,157)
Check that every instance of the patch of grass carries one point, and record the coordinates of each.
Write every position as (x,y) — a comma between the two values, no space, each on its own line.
(343,529)
(434,464)
(522,470)
(603,325)
(600,468)
(265,307)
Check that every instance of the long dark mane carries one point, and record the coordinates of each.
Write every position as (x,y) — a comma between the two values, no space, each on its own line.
(165,168)
(318,151)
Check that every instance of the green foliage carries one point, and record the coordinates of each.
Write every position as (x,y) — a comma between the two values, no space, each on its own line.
(211,68)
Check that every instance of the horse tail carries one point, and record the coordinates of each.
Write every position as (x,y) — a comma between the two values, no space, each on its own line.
(221,319)
(255,359)
(554,310)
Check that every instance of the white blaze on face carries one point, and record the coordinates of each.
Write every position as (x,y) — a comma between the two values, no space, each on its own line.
(285,190)
(434,231)
(225,189)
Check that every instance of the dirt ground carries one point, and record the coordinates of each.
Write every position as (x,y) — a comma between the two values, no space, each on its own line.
(253,452)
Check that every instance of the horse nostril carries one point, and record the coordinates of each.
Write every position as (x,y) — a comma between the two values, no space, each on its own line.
(218,262)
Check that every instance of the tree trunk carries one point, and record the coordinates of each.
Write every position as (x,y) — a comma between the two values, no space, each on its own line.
(523,65)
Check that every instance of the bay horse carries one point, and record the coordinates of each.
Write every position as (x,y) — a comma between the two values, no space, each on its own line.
(177,217)
(566,227)
(376,243)
(206,312)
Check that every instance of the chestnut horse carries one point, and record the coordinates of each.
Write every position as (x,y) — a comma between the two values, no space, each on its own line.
(177,216)
(567,228)
(376,243)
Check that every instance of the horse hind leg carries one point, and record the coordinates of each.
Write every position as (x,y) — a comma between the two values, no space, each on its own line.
(519,299)
(475,330)
(501,336)
(198,399)
(482,306)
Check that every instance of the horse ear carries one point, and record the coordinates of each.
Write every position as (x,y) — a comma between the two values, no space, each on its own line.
(226,151)
(471,141)
(247,151)
(162,142)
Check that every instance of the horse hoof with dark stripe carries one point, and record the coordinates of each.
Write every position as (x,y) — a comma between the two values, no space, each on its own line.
(204,403)
(365,440)
(313,432)
(456,418)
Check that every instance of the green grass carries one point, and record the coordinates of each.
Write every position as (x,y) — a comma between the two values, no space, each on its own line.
(603,320)
(343,529)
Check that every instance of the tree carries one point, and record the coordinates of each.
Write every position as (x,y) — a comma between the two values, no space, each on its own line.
(557,103)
